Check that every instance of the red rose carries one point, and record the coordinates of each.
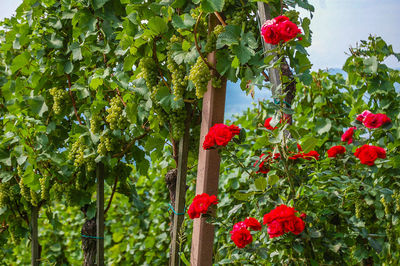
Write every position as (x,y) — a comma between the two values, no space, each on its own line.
(270,34)
(275,229)
(220,134)
(280,213)
(375,120)
(369,153)
(348,135)
(311,154)
(282,219)
(299,226)
(335,150)
(252,223)
(200,204)
(241,237)
(267,124)
(209,142)
(288,30)
(280,19)
(238,226)
(362,116)
(262,168)
(234,129)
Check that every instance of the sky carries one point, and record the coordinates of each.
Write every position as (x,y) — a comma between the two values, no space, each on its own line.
(337,25)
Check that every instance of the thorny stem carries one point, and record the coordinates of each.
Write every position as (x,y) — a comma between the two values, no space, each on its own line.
(239,162)
(73,100)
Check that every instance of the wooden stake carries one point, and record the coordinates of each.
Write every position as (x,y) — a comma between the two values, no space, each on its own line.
(35,256)
(100,214)
(264,14)
(208,165)
(180,189)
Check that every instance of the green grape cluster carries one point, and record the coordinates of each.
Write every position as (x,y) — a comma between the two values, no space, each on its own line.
(115,118)
(35,199)
(95,124)
(59,97)
(148,70)
(57,190)
(386,205)
(178,74)
(211,44)
(358,207)
(200,75)
(24,190)
(177,119)
(216,82)
(90,163)
(389,233)
(80,180)
(229,3)
(105,145)
(4,194)
(396,198)
(44,186)
(237,17)
(77,152)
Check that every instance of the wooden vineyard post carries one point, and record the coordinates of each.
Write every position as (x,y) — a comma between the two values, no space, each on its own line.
(208,165)
(264,14)
(100,215)
(35,256)
(180,193)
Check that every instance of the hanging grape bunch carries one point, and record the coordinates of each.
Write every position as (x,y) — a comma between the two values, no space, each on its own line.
(95,124)
(115,117)
(44,186)
(200,75)
(105,145)
(148,72)
(178,72)
(177,118)
(59,97)
(76,152)
(211,44)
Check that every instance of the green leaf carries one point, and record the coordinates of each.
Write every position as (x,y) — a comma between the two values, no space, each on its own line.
(243,52)
(183,258)
(5,176)
(309,144)
(371,65)
(243,195)
(323,125)
(157,25)
(68,67)
(272,179)
(184,21)
(261,183)
(234,209)
(230,36)
(210,6)
(76,51)
(56,41)
(20,61)
(167,100)
(99,3)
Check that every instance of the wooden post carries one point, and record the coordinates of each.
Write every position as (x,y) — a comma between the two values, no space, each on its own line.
(208,166)
(100,214)
(35,256)
(264,14)
(180,189)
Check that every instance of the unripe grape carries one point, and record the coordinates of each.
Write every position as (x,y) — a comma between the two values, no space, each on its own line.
(200,75)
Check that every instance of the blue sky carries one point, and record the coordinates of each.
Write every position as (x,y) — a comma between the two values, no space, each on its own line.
(336,25)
